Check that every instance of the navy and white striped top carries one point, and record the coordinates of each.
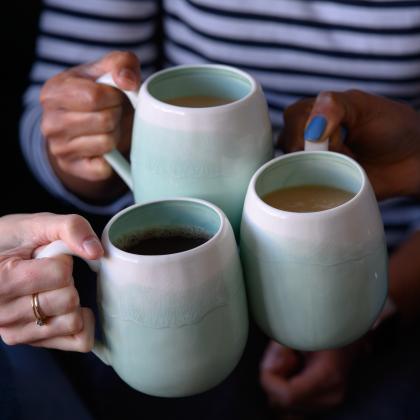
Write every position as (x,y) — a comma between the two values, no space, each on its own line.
(295,48)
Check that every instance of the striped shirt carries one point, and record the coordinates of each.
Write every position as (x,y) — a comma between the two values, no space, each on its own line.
(295,48)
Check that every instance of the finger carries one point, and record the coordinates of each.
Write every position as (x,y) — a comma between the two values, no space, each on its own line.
(81,342)
(277,388)
(79,95)
(44,228)
(84,147)
(124,67)
(52,303)
(71,124)
(298,389)
(90,169)
(22,278)
(331,109)
(295,119)
(63,325)
(280,360)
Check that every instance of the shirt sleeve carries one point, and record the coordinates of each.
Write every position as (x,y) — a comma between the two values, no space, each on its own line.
(76,32)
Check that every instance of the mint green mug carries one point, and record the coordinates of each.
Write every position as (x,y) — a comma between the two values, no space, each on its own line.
(208,152)
(173,325)
(316,280)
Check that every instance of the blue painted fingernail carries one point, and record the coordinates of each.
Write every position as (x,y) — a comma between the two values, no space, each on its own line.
(315,128)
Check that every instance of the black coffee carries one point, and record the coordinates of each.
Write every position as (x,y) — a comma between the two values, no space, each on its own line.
(162,241)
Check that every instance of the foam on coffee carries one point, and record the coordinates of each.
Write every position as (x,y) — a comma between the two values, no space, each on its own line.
(307,198)
(162,241)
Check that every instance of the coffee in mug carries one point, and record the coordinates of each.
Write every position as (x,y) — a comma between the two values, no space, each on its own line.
(307,198)
(172,325)
(198,101)
(163,241)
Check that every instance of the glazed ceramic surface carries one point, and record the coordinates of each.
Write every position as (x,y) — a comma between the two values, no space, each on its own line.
(173,325)
(208,153)
(315,280)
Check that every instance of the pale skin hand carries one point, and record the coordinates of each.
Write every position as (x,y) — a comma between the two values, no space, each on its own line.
(383,136)
(82,120)
(68,326)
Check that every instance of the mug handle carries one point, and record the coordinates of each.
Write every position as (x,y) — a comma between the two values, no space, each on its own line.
(316,146)
(58,248)
(114,157)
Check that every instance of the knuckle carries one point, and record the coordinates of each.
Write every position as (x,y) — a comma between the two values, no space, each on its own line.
(91,96)
(108,120)
(47,125)
(73,300)
(84,343)
(104,144)
(122,55)
(74,223)
(47,90)
(61,271)
(74,323)
(327,97)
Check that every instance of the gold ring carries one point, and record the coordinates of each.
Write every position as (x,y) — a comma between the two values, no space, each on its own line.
(40,317)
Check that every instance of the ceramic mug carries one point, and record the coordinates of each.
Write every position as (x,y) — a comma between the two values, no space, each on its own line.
(210,152)
(315,280)
(173,325)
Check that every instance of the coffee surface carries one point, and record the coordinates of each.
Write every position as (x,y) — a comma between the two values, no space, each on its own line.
(307,198)
(162,241)
(198,101)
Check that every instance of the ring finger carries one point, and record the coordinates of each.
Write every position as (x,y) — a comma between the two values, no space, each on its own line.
(62,325)
(51,303)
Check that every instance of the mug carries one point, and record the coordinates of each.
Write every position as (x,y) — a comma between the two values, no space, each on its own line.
(209,152)
(316,280)
(173,325)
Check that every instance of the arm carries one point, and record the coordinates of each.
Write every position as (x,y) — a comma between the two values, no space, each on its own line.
(71,33)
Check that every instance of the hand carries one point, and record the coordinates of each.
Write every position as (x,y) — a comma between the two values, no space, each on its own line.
(68,326)
(383,136)
(83,120)
(297,382)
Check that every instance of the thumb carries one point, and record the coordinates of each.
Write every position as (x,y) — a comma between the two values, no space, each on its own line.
(330,109)
(123,66)
(43,228)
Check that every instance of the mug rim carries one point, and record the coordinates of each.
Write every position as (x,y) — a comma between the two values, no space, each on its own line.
(108,245)
(280,212)
(177,108)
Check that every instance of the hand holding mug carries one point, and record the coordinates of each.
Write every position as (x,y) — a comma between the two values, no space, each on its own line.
(199,131)
(174,321)
(317,275)
(67,325)
(301,382)
(382,135)
(82,120)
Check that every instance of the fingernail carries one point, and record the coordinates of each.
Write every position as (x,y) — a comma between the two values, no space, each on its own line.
(92,247)
(129,75)
(315,128)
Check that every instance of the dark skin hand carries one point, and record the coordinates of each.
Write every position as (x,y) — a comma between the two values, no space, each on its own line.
(82,120)
(383,136)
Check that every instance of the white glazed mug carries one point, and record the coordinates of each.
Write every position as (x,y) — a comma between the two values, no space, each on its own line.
(209,152)
(315,280)
(173,325)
